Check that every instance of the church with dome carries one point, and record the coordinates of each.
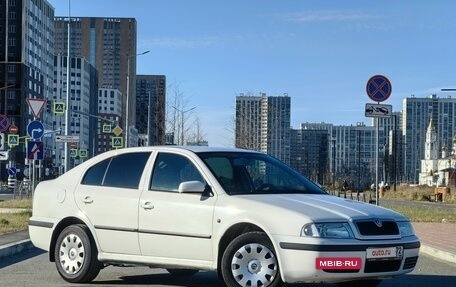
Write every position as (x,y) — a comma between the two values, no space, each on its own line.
(435,170)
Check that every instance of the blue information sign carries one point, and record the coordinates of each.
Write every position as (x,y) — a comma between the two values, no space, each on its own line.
(378,88)
(35,129)
(12,171)
(35,150)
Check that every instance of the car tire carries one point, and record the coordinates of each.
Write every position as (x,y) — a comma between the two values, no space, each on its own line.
(182,272)
(76,255)
(360,283)
(250,260)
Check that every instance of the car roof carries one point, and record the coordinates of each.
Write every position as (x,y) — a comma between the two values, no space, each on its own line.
(195,149)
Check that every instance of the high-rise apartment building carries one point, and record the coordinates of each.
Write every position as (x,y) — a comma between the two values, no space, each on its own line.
(310,152)
(263,124)
(109,111)
(26,65)
(417,113)
(109,44)
(354,155)
(150,109)
(327,153)
(83,87)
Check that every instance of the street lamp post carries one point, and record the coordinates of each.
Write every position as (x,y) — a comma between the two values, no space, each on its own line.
(127,107)
(182,112)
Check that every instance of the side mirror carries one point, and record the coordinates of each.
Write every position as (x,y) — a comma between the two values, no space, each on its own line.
(193,186)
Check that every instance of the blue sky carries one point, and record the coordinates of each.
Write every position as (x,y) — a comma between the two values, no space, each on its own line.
(321,53)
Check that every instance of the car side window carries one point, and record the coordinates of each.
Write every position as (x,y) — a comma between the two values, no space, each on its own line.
(95,174)
(171,170)
(124,171)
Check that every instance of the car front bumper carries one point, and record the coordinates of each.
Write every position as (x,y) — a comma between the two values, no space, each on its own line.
(302,260)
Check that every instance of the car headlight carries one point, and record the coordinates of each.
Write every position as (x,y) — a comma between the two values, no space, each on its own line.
(327,230)
(405,228)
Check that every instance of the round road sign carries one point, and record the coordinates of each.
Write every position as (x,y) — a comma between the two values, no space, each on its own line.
(13,129)
(12,171)
(378,88)
(4,123)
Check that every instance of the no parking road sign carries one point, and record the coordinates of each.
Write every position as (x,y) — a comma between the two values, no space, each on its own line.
(4,123)
(378,88)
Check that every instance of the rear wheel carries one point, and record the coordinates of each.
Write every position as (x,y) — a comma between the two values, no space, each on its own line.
(182,272)
(76,255)
(250,260)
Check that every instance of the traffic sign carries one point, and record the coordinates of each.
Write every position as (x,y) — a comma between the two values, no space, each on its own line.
(59,107)
(35,150)
(117,130)
(378,88)
(35,129)
(73,152)
(13,129)
(83,153)
(13,140)
(4,155)
(2,141)
(73,145)
(107,128)
(117,142)
(36,105)
(4,123)
(378,111)
(68,138)
(12,171)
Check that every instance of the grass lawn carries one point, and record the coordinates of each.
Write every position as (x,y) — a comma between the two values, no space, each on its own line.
(422,213)
(10,222)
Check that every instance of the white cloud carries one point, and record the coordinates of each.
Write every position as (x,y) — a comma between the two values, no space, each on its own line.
(327,16)
(182,42)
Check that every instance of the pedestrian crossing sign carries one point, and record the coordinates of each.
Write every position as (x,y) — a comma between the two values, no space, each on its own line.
(117,142)
(73,152)
(13,140)
(107,128)
(59,107)
(83,153)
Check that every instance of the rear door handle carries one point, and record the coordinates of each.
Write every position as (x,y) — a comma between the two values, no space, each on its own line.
(87,199)
(147,205)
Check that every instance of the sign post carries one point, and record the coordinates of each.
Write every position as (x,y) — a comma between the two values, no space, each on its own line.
(378,89)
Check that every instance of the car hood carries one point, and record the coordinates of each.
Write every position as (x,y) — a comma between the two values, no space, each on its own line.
(319,207)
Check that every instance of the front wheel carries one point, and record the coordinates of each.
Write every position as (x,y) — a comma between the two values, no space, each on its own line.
(76,255)
(250,260)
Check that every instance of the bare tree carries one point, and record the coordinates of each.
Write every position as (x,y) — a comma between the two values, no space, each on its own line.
(197,136)
(178,114)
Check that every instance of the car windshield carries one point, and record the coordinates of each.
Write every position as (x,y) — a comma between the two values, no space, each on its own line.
(256,173)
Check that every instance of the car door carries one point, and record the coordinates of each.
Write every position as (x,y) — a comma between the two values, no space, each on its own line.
(108,195)
(172,224)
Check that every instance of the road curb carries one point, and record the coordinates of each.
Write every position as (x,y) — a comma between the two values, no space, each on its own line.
(438,253)
(15,247)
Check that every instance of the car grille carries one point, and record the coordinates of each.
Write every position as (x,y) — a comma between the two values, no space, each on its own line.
(377,227)
(410,262)
(373,266)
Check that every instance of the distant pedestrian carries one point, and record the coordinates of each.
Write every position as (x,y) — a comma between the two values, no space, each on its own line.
(345,185)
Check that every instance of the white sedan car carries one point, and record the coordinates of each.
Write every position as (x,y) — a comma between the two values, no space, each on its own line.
(244,214)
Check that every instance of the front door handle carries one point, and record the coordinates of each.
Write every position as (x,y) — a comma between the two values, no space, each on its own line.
(147,205)
(87,199)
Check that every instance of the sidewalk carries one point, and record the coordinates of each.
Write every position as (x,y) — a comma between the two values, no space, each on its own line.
(437,240)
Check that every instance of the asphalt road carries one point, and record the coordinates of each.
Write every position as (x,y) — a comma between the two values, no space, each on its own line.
(32,268)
